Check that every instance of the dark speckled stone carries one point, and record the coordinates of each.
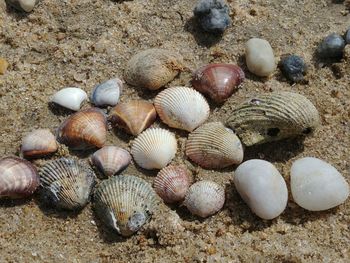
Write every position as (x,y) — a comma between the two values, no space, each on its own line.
(331,47)
(293,67)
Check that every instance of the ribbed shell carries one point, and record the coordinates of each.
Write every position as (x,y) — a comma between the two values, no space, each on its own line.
(205,198)
(182,108)
(125,203)
(67,183)
(38,143)
(18,178)
(273,116)
(154,148)
(214,146)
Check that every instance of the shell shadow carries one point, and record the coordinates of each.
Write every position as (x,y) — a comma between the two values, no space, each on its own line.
(82,154)
(59,110)
(7,202)
(121,134)
(15,12)
(323,62)
(186,215)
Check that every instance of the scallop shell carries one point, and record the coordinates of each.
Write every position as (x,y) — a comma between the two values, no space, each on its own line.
(18,178)
(154,148)
(273,116)
(214,146)
(38,143)
(205,198)
(107,93)
(181,107)
(125,203)
(110,160)
(70,98)
(153,68)
(133,116)
(172,183)
(67,183)
(84,129)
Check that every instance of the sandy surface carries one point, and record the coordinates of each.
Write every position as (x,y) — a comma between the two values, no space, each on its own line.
(83,42)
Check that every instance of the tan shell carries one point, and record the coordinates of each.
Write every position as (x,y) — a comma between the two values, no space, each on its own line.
(273,116)
(38,143)
(153,68)
(214,146)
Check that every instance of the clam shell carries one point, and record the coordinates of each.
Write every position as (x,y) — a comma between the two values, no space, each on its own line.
(273,116)
(66,183)
(153,68)
(125,203)
(214,146)
(172,183)
(154,148)
(107,93)
(133,116)
(70,98)
(110,160)
(181,107)
(205,198)
(18,178)
(84,129)
(38,143)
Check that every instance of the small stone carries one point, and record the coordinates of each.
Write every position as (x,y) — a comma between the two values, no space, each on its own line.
(293,67)
(331,47)
(213,15)
(347,37)
(3,66)
(23,5)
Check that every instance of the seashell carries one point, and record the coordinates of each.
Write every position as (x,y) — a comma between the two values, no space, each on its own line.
(154,148)
(133,116)
(18,178)
(70,98)
(205,198)
(23,5)
(317,185)
(214,146)
(273,116)
(262,187)
(172,183)
(110,160)
(218,81)
(107,93)
(182,108)
(84,129)
(66,183)
(38,143)
(125,203)
(153,68)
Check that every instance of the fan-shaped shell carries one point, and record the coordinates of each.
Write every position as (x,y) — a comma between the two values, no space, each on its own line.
(107,93)
(18,178)
(181,107)
(125,203)
(273,116)
(214,146)
(67,183)
(154,148)
(70,98)
(110,160)
(84,129)
(38,143)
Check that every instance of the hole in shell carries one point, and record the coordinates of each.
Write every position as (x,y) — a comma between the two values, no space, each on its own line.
(273,132)
(307,130)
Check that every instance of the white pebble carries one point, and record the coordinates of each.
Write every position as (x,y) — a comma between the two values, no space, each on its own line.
(317,185)
(70,98)
(262,187)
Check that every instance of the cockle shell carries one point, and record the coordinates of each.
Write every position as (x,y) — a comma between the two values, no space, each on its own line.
(66,183)
(38,143)
(107,93)
(133,116)
(110,160)
(172,183)
(213,146)
(205,198)
(18,178)
(317,185)
(84,129)
(70,98)
(182,108)
(218,81)
(153,68)
(262,187)
(154,148)
(273,116)
(125,203)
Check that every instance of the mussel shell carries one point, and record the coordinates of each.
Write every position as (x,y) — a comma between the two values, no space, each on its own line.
(38,143)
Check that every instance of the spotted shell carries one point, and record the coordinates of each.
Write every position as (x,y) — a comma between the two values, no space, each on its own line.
(273,116)
(125,203)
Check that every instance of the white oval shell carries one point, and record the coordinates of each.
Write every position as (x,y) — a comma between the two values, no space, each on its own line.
(107,93)
(262,187)
(25,5)
(154,148)
(70,98)
(317,185)
(38,143)
(181,107)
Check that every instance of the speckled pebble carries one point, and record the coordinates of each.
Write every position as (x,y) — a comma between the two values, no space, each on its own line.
(293,67)
(331,47)
(3,66)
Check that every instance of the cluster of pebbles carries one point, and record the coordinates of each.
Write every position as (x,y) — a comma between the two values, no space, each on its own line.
(125,202)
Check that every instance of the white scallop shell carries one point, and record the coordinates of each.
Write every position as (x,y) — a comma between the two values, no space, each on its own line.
(154,148)
(181,107)
(70,98)
(38,143)
(107,93)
